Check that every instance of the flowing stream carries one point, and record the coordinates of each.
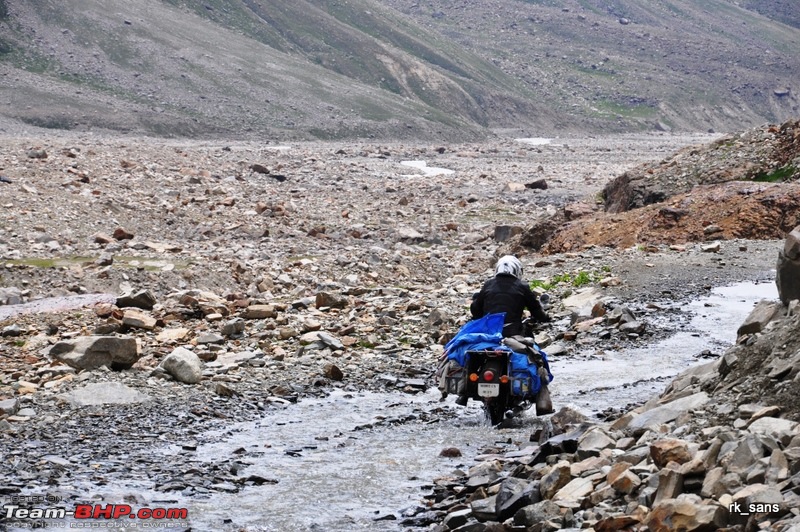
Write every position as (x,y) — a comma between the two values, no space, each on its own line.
(355,461)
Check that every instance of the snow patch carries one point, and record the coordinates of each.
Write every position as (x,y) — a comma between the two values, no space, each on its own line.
(426,170)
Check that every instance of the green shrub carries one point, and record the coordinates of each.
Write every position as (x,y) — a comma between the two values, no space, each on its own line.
(781,174)
(576,280)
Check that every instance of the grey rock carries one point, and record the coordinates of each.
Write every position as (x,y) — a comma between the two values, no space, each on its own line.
(143,299)
(12,330)
(514,494)
(593,441)
(210,338)
(503,233)
(575,490)
(457,519)
(538,513)
(633,327)
(329,340)
(774,426)
(230,360)
(104,393)
(668,412)
(11,296)
(9,407)
(409,236)
(184,366)
(748,452)
(758,318)
(777,468)
(92,352)
(787,278)
(485,509)
(791,247)
(234,327)
(758,494)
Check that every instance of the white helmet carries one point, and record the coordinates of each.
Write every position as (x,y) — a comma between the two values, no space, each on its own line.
(509,265)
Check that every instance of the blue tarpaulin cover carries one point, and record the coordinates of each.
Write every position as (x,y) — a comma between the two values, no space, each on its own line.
(487,333)
(483,333)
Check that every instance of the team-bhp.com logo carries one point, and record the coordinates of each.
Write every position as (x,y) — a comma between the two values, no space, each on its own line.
(22,515)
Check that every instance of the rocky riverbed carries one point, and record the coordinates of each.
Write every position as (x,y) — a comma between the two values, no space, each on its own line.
(222,283)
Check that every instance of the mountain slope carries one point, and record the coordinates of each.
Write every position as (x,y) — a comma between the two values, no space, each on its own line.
(786,11)
(153,66)
(395,68)
(683,64)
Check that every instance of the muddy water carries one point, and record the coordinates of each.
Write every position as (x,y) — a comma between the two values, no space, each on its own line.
(355,461)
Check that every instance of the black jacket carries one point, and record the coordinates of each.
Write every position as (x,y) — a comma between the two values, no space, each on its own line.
(506,293)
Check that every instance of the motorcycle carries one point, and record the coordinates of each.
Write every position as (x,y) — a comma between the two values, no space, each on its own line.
(507,379)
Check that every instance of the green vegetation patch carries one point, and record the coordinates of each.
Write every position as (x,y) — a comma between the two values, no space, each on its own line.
(632,109)
(48,122)
(571,279)
(787,173)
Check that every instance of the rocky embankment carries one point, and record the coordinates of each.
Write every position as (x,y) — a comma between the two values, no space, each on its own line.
(739,186)
(718,450)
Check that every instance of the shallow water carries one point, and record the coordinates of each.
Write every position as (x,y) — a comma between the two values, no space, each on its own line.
(355,461)
(617,378)
(332,477)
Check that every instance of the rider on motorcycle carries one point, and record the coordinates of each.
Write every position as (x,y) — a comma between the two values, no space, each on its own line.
(506,292)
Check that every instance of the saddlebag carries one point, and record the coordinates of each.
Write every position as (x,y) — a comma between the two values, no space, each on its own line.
(451,377)
(521,383)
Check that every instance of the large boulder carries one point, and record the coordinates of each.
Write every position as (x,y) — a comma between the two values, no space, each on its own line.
(143,299)
(92,352)
(788,270)
(184,366)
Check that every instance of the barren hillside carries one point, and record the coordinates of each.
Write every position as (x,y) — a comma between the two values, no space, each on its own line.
(397,69)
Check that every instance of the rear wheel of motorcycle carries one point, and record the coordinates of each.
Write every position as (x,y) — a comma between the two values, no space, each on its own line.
(495,409)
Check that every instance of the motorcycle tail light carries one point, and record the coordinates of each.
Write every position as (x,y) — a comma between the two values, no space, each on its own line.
(488,375)
(504,379)
(473,377)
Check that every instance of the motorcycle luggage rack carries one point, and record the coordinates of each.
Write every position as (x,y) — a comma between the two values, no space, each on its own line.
(456,382)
